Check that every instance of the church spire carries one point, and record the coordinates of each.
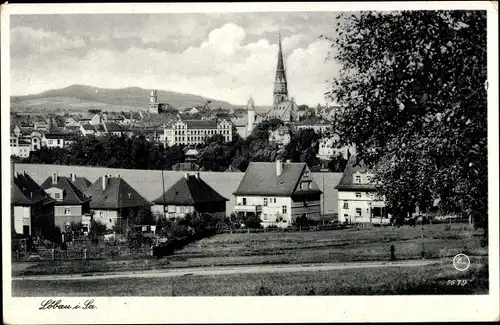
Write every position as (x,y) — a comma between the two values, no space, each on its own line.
(280,92)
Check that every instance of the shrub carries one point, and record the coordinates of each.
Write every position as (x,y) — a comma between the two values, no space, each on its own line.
(264,291)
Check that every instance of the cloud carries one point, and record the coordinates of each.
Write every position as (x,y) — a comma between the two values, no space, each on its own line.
(224,62)
(38,41)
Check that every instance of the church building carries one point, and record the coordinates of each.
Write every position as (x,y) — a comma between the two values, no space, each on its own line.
(154,106)
(284,108)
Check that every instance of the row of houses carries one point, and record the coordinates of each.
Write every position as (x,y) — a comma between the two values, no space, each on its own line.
(277,192)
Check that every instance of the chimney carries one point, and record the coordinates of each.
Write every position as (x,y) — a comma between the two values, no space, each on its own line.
(73,177)
(54,178)
(117,175)
(279,167)
(104,182)
(197,175)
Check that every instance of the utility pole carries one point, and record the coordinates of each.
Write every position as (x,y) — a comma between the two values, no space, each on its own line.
(163,186)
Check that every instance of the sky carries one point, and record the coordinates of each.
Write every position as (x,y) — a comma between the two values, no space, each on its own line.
(224,56)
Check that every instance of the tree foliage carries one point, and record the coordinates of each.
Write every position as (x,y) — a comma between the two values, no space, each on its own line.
(413,101)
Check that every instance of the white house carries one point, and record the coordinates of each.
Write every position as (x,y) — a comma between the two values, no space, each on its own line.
(358,201)
(328,148)
(278,192)
(19,146)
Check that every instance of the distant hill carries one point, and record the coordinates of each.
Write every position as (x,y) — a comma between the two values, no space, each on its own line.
(87,97)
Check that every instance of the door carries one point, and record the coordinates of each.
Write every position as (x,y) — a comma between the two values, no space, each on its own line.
(26,230)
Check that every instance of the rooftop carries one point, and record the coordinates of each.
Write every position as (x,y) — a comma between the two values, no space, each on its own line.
(346,183)
(72,195)
(115,195)
(261,178)
(25,191)
(190,190)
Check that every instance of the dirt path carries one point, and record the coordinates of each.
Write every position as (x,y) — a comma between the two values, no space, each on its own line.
(204,271)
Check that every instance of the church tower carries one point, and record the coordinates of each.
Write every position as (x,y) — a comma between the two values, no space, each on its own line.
(250,115)
(280,92)
(153,102)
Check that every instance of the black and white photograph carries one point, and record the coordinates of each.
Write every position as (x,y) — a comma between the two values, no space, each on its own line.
(266,151)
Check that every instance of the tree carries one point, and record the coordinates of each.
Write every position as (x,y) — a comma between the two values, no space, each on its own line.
(413,101)
(337,163)
(97,229)
(145,216)
(303,147)
(252,221)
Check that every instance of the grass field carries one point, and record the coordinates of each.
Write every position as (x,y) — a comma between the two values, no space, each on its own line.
(365,244)
(432,279)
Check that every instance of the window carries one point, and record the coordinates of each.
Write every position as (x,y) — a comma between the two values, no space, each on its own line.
(57,195)
(177,209)
(265,201)
(101,214)
(305,202)
(67,212)
(368,179)
(301,186)
(244,201)
(309,185)
(274,200)
(346,205)
(265,216)
(358,212)
(284,209)
(358,195)
(358,179)
(50,141)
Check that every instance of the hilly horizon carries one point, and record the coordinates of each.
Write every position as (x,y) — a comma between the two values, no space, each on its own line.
(87,97)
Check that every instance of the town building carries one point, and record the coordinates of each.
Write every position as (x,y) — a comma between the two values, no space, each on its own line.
(246,124)
(193,132)
(112,128)
(58,140)
(318,124)
(328,147)
(190,194)
(32,209)
(113,201)
(278,193)
(71,205)
(281,136)
(19,146)
(358,201)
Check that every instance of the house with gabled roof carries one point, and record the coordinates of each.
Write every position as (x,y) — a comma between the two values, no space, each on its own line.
(112,128)
(71,205)
(32,208)
(358,201)
(114,201)
(190,194)
(278,192)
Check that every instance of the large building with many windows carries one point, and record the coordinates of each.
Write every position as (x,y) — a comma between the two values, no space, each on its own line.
(193,132)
